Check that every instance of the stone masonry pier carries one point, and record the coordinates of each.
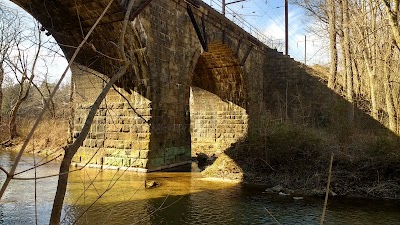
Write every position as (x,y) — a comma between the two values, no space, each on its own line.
(197,83)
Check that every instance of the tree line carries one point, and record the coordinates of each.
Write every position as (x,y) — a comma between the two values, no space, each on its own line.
(364,49)
(25,78)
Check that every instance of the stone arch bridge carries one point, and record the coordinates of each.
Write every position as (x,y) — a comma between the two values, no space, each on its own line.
(197,83)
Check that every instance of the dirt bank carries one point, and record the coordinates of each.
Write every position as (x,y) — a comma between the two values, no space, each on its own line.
(298,159)
(48,140)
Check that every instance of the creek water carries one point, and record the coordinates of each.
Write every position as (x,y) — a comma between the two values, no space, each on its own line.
(119,197)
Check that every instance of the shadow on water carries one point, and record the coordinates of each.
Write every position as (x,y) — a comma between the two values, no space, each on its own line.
(181,198)
(235,205)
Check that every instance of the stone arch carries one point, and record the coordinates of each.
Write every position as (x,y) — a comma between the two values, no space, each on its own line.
(160,92)
(219,72)
(218,116)
(69,21)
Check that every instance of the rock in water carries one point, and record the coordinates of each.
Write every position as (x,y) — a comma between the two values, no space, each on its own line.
(150,184)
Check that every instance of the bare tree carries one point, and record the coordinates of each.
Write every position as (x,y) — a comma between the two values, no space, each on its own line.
(363,29)
(390,107)
(347,57)
(392,8)
(332,44)
(24,71)
(11,27)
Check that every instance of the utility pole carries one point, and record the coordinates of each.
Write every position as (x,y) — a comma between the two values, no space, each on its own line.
(305,49)
(286,28)
(223,7)
(224,4)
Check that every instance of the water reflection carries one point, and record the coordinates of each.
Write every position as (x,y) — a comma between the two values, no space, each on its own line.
(181,198)
(17,205)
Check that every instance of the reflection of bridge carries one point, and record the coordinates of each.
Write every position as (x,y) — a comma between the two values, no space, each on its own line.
(197,83)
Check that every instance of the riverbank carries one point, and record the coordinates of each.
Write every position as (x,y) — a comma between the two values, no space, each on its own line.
(297,159)
(48,140)
(294,157)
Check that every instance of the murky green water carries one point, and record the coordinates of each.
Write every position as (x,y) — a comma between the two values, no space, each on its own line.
(181,198)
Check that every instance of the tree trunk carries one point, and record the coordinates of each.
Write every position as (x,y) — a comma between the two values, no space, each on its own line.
(332,45)
(392,8)
(13,120)
(371,38)
(61,189)
(342,82)
(357,77)
(388,94)
(1,92)
(52,107)
(346,50)
(73,148)
(347,57)
(374,106)
(71,119)
(22,96)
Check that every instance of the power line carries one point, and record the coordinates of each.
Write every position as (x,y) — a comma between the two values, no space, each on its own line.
(240,21)
(277,17)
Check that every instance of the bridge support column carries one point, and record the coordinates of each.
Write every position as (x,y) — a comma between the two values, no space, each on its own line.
(130,130)
(170,128)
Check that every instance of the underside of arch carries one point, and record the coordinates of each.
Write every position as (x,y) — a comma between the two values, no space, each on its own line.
(69,22)
(218,101)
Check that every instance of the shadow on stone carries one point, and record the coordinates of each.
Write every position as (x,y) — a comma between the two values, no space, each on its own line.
(289,144)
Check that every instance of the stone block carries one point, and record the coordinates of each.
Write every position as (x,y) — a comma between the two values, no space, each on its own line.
(112,135)
(144,154)
(119,144)
(125,128)
(110,143)
(126,136)
(99,143)
(127,144)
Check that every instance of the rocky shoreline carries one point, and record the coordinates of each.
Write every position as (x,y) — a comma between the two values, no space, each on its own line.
(346,181)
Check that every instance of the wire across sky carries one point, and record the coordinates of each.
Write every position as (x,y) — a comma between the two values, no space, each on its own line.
(264,19)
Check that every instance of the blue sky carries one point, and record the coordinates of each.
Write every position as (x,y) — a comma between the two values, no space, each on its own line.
(51,63)
(268,17)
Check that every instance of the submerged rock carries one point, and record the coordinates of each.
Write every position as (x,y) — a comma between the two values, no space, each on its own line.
(298,198)
(322,192)
(279,189)
(283,194)
(150,184)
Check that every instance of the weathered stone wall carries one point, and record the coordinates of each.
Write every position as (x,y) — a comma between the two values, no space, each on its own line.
(216,117)
(215,124)
(218,101)
(118,136)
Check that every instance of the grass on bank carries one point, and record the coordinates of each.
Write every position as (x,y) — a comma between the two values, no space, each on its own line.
(297,157)
(49,137)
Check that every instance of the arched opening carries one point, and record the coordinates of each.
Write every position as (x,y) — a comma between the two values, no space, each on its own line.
(218,116)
